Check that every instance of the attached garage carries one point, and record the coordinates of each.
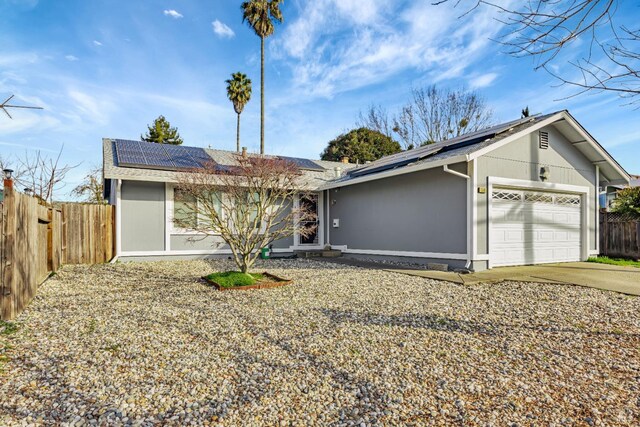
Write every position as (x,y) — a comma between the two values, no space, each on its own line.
(520,193)
(534,227)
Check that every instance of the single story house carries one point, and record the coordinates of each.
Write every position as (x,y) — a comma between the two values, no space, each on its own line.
(522,192)
(608,195)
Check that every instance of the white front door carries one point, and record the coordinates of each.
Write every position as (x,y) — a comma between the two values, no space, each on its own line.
(534,227)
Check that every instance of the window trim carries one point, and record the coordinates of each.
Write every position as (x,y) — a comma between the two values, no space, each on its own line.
(170,225)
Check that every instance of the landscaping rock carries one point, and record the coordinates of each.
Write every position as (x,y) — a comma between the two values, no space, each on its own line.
(151,344)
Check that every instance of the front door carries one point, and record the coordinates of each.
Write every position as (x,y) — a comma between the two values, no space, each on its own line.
(310,202)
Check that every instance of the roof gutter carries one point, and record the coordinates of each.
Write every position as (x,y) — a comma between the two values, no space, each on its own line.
(394,172)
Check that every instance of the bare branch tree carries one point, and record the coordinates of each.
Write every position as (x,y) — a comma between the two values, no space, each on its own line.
(610,60)
(91,188)
(376,118)
(405,126)
(431,115)
(436,114)
(250,204)
(38,173)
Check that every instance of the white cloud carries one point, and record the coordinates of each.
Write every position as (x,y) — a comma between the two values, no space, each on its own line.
(483,80)
(71,58)
(173,13)
(88,108)
(9,60)
(222,30)
(97,43)
(336,46)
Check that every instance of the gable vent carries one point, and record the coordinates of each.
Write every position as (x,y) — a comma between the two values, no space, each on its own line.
(544,140)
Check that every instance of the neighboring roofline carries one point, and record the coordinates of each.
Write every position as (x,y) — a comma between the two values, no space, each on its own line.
(561,115)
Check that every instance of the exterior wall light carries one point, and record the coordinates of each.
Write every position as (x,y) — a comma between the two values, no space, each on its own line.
(544,173)
(7,173)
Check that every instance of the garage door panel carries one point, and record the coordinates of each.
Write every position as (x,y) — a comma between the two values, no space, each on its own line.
(530,227)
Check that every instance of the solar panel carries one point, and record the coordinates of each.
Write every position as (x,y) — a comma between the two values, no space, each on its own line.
(180,157)
(410,156)
(156,155)
(159,156)
(129,152)
(303,163)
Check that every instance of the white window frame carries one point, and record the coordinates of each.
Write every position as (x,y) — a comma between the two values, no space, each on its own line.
(170,226)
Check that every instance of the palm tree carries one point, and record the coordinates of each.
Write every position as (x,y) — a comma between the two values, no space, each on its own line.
(259,14)
(239,93)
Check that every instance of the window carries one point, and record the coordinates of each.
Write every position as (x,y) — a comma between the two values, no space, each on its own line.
(538,198)
(568,200)
(189,215)
(506,195)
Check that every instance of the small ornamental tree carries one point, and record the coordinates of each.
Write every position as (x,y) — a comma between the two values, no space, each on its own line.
(627,201)
(161,132)
(250,204)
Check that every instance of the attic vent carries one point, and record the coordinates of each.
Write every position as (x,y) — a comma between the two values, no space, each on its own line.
(544,140)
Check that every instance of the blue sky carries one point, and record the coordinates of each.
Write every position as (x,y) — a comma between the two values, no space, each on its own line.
(108,68)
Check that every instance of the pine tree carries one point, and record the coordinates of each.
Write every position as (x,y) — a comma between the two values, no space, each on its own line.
(161,132)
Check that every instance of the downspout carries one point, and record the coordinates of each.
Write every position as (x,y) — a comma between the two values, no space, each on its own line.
(470,230)
(118,221)
(597,217)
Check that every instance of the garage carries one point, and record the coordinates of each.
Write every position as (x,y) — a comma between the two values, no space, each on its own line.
(534,227)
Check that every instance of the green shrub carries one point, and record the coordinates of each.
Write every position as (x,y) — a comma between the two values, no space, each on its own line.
(228,279)
(627,201)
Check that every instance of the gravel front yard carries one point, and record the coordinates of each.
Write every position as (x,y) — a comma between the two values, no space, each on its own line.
(148,343)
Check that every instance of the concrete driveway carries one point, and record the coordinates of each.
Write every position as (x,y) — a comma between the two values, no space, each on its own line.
(600,276)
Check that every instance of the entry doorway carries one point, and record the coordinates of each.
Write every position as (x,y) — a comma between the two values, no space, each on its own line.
(310,201)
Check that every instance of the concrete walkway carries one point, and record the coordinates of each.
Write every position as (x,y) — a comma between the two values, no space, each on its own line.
(600,276)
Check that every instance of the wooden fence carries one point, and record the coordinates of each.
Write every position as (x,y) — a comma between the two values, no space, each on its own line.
(88,233)
(36,239)
(619,235)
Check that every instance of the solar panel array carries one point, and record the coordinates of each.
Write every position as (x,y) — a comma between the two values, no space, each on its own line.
(149,155)
(411,156)
(303,163)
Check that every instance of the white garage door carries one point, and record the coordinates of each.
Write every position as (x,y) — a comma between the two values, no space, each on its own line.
(532,227)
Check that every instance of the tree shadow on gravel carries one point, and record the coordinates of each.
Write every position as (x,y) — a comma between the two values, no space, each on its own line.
(447,324)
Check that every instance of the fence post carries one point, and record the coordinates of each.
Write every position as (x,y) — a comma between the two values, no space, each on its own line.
(7,309)
(605,226)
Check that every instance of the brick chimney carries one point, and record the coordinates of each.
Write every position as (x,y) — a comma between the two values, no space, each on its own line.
(244,152)
(345,159)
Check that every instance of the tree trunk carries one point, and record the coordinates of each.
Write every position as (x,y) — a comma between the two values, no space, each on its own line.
(261,95)
(244,267)
(238,134)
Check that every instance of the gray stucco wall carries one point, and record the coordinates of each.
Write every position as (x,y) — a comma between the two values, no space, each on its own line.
(522,159)
(142,216)
(423,211)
